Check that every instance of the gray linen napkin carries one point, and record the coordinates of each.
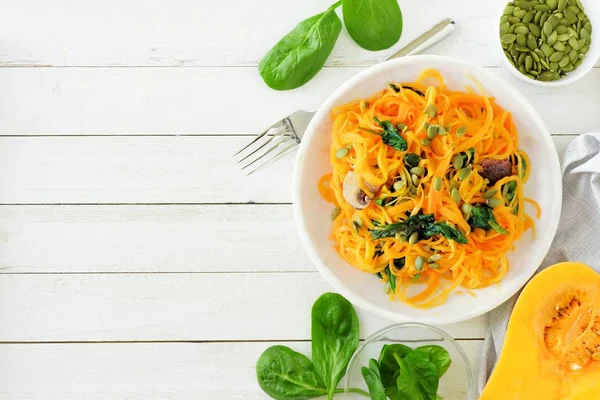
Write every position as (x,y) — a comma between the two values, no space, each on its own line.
(579,223)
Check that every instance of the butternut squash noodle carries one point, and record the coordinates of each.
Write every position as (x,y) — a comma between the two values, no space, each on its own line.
(459,241)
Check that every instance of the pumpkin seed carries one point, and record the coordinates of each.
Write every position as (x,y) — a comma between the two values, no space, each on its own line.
(573,9)
(535,55)
(434,265)
(529,75)
(588,27)
(522,49)
(584,49)
(514,52)
(559,46)
(419,171)
(561,29)
(493,202)
(523,30)
(565,22)
(536,19)
(504,28)
(458,161)
(542,7)
(564,61)
(399,185)
(573,55)
(547,28)
(455,195)
(435,257)
(562,4)
(425,142)
(546,49)
(584,34)
(568,68)
(466,208)
(574,43)
(514,20)
(523,5)
(544,63)
(531,42)
(521,40)
(528,17)
(552,38)
(543,19)
(570,15)
(419,262)
(415,179)
(334,214)
(461,131)
(490,193)
(400,237)
(581,42)
(437,183)
(556,57)
(573,32)
(563,37)
(534,72)
(545,76)
(535,30)
(508,10)
(528,63)
(521,59)
(567,48)
(341,153)
(414,238)
(520,14)
(432,110)
(552,4)
(432,132)
(464,174)
(441,130)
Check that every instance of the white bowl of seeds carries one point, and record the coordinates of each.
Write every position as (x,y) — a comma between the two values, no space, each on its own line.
(549,42)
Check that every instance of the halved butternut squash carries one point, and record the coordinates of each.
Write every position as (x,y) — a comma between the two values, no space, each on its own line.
(552,346)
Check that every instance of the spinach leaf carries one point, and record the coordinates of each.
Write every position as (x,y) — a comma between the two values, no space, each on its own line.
(424,224)
(446,230)
(391,136)
(285,374)
(334,330)
(509,190)
(300,54)
(483,218)
(373,24)
(411,160)
(389,364)
(414,223)
(373,381)
(418,379)
(391,279)
(437,355)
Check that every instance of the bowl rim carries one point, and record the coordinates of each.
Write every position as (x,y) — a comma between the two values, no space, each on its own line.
(333,279)
(404,325)
(572,76)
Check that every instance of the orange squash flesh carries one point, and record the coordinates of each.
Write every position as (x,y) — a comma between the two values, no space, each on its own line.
(552,346)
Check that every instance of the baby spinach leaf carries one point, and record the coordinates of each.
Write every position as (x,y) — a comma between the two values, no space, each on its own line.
(437,355)
(414,223)
(373,24)
(483,217)
(388,362)
(373,381)
(391,279)
(300,54)
(446,230)
(334,330)
(283,373)
(418,379)
(391,136)
(411,160)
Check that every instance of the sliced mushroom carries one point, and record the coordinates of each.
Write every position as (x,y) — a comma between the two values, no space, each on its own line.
(353,194)
(494,170)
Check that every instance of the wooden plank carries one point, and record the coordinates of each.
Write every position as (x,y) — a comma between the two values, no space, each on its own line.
(128,169)
(149,371)
(207,307)
(192,238)
(98,101)
(193,33)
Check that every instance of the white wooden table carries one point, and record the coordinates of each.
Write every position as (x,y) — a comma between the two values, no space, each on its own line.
(136,260)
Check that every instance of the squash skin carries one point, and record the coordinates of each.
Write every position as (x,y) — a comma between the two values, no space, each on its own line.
(527,368)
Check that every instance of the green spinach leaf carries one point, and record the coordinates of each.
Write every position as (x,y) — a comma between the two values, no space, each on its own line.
(391,279)
(411,160)
(300,54)
(391,136)
(438,355)
(483,217)
(335,336)
(414,223)
(388,362)
(418,379)
(373,24)
(446,230)
(373,381)
(285,374)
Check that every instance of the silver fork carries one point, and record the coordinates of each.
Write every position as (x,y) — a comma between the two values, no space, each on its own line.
(289,131)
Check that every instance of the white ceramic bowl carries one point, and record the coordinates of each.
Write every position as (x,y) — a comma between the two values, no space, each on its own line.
(592,9)
(313,213)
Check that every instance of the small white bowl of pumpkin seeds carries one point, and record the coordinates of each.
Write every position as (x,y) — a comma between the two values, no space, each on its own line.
(549,42)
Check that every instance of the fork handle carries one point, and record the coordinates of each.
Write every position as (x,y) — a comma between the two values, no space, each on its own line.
(436,33)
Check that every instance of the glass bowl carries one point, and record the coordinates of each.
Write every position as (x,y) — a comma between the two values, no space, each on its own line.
(456,384)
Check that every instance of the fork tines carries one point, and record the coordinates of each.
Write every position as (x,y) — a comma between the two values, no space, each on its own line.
(268,147)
